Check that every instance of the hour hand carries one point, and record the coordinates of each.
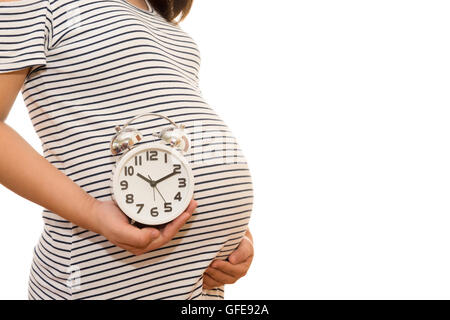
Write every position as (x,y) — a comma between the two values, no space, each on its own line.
(152,183)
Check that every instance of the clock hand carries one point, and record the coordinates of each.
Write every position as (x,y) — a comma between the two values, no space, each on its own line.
(166,177)
(152,183)
(160,194)
(157,190)
(149,180)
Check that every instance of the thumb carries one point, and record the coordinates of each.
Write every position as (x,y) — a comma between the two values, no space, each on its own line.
(242,253)
(141,238)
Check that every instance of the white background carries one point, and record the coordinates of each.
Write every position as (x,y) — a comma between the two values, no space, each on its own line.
(342,109)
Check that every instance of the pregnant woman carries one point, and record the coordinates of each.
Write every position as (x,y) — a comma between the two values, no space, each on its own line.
(84,67)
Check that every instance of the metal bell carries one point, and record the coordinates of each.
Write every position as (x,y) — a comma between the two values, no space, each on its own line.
(124,139)
(176,137)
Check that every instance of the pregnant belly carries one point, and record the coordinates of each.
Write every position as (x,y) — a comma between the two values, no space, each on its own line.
(223,190)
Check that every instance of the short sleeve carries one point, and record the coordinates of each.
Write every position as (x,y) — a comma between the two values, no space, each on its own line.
(24,33)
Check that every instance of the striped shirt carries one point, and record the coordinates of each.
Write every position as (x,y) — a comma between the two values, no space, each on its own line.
(95,65)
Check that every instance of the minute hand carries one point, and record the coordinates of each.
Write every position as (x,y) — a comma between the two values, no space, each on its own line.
(166,177)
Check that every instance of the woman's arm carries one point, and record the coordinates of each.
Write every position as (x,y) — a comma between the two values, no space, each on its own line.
(27,173)
(30,175)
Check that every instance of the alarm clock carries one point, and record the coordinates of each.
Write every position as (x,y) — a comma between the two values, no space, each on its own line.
(152,183)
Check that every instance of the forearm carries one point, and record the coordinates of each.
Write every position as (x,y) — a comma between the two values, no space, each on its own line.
(27,173)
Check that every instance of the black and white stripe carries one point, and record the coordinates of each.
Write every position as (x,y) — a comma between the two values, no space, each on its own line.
(96,64)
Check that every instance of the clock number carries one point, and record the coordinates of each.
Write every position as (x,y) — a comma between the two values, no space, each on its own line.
(138,160)
(181,182)
(141,206)
(177,168)
(154,212)
(124,184)
(165,157)
(178,196)
(130,198)
(168,207)
(129,170)
(152,155)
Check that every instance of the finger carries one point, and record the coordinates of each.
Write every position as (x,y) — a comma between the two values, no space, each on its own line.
(220,276)
(137,238)
(242,253)
(169,231)
(132,250)
(210,283)
(147,235)
(234,270)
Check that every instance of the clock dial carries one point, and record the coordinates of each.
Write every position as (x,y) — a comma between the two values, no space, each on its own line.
(153,185)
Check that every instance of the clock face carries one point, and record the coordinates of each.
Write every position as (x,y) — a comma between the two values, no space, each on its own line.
(153,184)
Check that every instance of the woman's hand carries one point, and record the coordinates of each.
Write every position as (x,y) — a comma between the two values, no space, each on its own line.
(114,225)
(222,272)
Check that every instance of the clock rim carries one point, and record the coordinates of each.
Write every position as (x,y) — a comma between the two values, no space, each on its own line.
(130,154)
